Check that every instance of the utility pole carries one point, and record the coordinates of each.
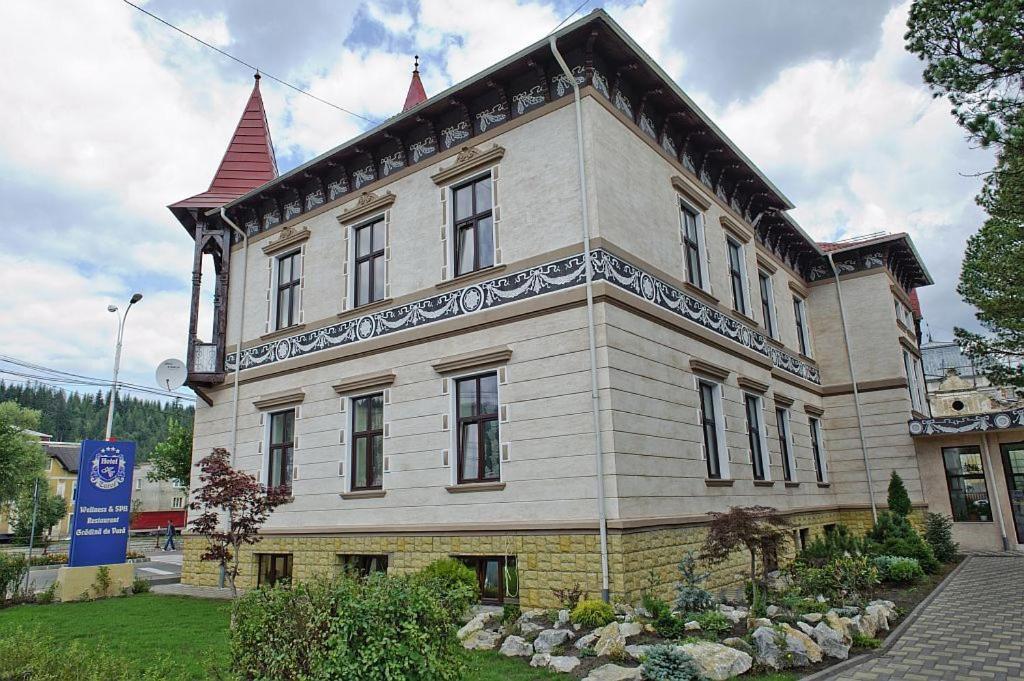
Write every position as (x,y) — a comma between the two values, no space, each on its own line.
(32,532)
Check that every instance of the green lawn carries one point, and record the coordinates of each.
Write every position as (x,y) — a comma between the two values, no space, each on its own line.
(145,629)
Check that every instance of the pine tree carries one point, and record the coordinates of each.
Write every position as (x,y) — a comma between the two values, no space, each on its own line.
(899,500)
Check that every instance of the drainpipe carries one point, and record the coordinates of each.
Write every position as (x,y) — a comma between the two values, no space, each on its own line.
(241,327)
(589,270)
(995,490)
(856,392)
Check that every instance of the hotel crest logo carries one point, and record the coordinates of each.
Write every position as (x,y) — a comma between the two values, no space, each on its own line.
(108,468)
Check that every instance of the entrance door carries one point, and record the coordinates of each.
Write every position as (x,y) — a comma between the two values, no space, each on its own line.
(1013,466)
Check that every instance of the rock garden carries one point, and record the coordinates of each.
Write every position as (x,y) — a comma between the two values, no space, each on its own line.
(838,597)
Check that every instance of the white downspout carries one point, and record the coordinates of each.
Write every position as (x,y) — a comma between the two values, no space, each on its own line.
(856,392)
(241,328)
(591,336)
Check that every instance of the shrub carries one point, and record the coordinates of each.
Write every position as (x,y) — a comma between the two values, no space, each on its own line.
(714,623)
(899,500)
(140,586)
(690,595)
(570,598)
(103,582)
(844,580)
(657,607)
(12,574)
(669,626)
(592,613)
(938,532)
(454,581)
(50,559)
(668,663)
(862,641)
(823,548)
(510,612)
(898,569)
(47,596)
(893,535)
(34,654)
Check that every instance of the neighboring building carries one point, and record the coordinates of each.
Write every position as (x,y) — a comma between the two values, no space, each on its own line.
(156,503)
(61,475)
(957,385)
(434,364)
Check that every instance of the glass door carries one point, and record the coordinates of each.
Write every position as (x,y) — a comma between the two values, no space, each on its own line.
(1013,467)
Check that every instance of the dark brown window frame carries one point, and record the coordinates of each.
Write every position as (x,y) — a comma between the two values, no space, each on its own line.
(284,449)
(709,426)
(477,564)
(480,420)
(362,563)
(292,286)
(755,423)
(370,435)
(472,222)
(764,284)
(371,257)
(974,476)
(691,245)
(782,422)
(815,428)
(274,577)
(736,271)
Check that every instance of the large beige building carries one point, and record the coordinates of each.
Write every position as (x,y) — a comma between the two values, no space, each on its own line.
(542,333)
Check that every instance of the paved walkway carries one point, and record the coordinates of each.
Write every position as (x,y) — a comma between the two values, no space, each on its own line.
(193,591)
(973,629)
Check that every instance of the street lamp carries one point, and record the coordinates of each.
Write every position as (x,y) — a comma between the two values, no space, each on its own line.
(117,358)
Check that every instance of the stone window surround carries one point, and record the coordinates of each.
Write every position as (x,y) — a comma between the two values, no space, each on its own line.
(267,405)
(271,330)
(367,210)
(470,164)
(716,380)
(457,367)
(352,388)
(762,431)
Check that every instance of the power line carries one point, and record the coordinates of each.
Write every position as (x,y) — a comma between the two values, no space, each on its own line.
(247,64)
(56,377)
(570,16)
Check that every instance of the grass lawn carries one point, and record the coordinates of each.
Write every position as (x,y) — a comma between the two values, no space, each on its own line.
(148,627)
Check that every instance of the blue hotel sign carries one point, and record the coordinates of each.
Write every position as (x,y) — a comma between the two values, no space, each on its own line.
(102,504)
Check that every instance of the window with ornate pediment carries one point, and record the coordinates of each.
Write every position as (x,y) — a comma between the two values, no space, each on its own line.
(473,225)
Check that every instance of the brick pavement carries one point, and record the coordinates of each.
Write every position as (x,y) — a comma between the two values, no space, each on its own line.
(973,629)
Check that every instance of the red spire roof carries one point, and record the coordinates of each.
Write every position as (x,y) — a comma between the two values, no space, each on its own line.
(416,92)
(248,162)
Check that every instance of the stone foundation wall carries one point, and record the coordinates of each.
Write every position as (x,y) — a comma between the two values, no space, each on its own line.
(639,560)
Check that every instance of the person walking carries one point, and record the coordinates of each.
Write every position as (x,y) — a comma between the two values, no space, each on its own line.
(170,538)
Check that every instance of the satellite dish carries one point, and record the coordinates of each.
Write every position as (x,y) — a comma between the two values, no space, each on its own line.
(170,375)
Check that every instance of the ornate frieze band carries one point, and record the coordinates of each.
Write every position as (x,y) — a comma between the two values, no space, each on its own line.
(510,288)
(972,423)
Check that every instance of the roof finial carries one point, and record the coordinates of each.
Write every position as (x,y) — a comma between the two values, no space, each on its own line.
(256,76)
(416,92)
(416,64)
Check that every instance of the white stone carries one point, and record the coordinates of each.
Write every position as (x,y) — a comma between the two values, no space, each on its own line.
(548,639)
(761,622)
(812,617)
(773,611)
(516,646)
(831,641)
(880,614)
(474,625)
(482,640)
(612,638)
(802,646)
(718,662)
(586,641)
(540,660)
(563,663)
(637,651)
(692,625)
(806,628)
(527,628)
(563,617)
(613,672)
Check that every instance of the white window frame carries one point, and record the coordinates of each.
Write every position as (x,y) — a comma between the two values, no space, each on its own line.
(771,325)
(723,450)
(814,424)
(911,366)
(762,435)
(451,238)
(803,330)
(275,269)
(702,252)
(177,502)
(347,416)
(453,422)
(744,278)
(350,258)
(138,483)
(786,439)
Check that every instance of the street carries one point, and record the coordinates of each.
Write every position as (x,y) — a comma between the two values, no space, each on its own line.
(162,568)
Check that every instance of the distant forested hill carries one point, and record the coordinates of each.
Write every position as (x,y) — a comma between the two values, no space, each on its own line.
(70,416)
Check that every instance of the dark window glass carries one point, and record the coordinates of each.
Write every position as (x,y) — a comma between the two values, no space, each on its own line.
(477,400)
(369,263)
(739,301)
(363,565)
(273,568)
(288,279)
(691,247)
(767,306)
(782,420)
(282,446)
(801,325)
(474,227)
(816,447)
(497,577)
(968,494)
(709,423)
(368,442)
(754,426)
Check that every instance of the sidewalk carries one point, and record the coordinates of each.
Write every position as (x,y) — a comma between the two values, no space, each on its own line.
(192,591)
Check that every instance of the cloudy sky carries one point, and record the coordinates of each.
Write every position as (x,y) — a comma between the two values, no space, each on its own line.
(107,116)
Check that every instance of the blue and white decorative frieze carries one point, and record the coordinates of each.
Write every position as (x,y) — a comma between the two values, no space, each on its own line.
(972,423)
(562,83)
(510,288)
(846,264)
(527,99)
(491,117)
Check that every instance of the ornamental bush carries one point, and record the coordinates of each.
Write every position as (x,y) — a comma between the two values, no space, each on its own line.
(898,500)
(691,596)
(938,532)
(899,569)
(849,579)
(830,545)
(669,663)
(592,613)
(893,535)
(454,581)
(713,623)
(12,574)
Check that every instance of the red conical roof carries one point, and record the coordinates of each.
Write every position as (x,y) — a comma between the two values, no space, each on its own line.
(416,92)
(248,162)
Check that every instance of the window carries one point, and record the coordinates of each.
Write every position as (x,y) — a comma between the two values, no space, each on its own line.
(816,449)
(764,281)
(913,386)
(737,278)
(691,246)
(710,411)
(800,315)
(805,537)
(282,445)
(755,437)
(474,227)
(497,577)
(138,482)
(176,502)
(368,442)
(965,475)
(273,568)
(363,565)
(785,443)
(476,400)
(287,300)
(369,262)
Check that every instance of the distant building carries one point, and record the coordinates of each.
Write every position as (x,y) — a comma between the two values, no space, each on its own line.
(61,474)
(956,385)
(155,503)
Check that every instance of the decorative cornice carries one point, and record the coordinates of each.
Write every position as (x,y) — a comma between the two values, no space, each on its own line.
(969,423)
(378,379)
(911,347)
(766,264)
(472,360)
(286,238)
(699,366)
(782,400)
(751,384)
(734,228)
(279,399)
(813,410)
(367,204)
(692,194)
(469,160)
(798,289)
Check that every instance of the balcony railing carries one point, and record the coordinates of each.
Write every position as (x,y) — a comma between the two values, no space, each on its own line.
(204,358)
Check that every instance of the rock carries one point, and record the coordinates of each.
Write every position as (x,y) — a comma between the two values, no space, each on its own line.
(641,611)
(812,617)
(760,622)
(549,639)
(831,641)
(527,628)
(612,637)
(718,662)
(474,625)
(613,672)
(563,663)
(630,629)
(482,640)
(624,609)
(735,615)
(540,660)
(785,647)
(637,651)
(802,646)
(769,648)
(880,614)
(563,617)
(865,625)
(516,646)
(840,624)
(806,628)
(739,644)
(692,625)
(586,641)
(773,611)
(847,611)
(821,599)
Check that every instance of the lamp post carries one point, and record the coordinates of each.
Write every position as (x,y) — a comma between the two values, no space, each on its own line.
(117,358)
